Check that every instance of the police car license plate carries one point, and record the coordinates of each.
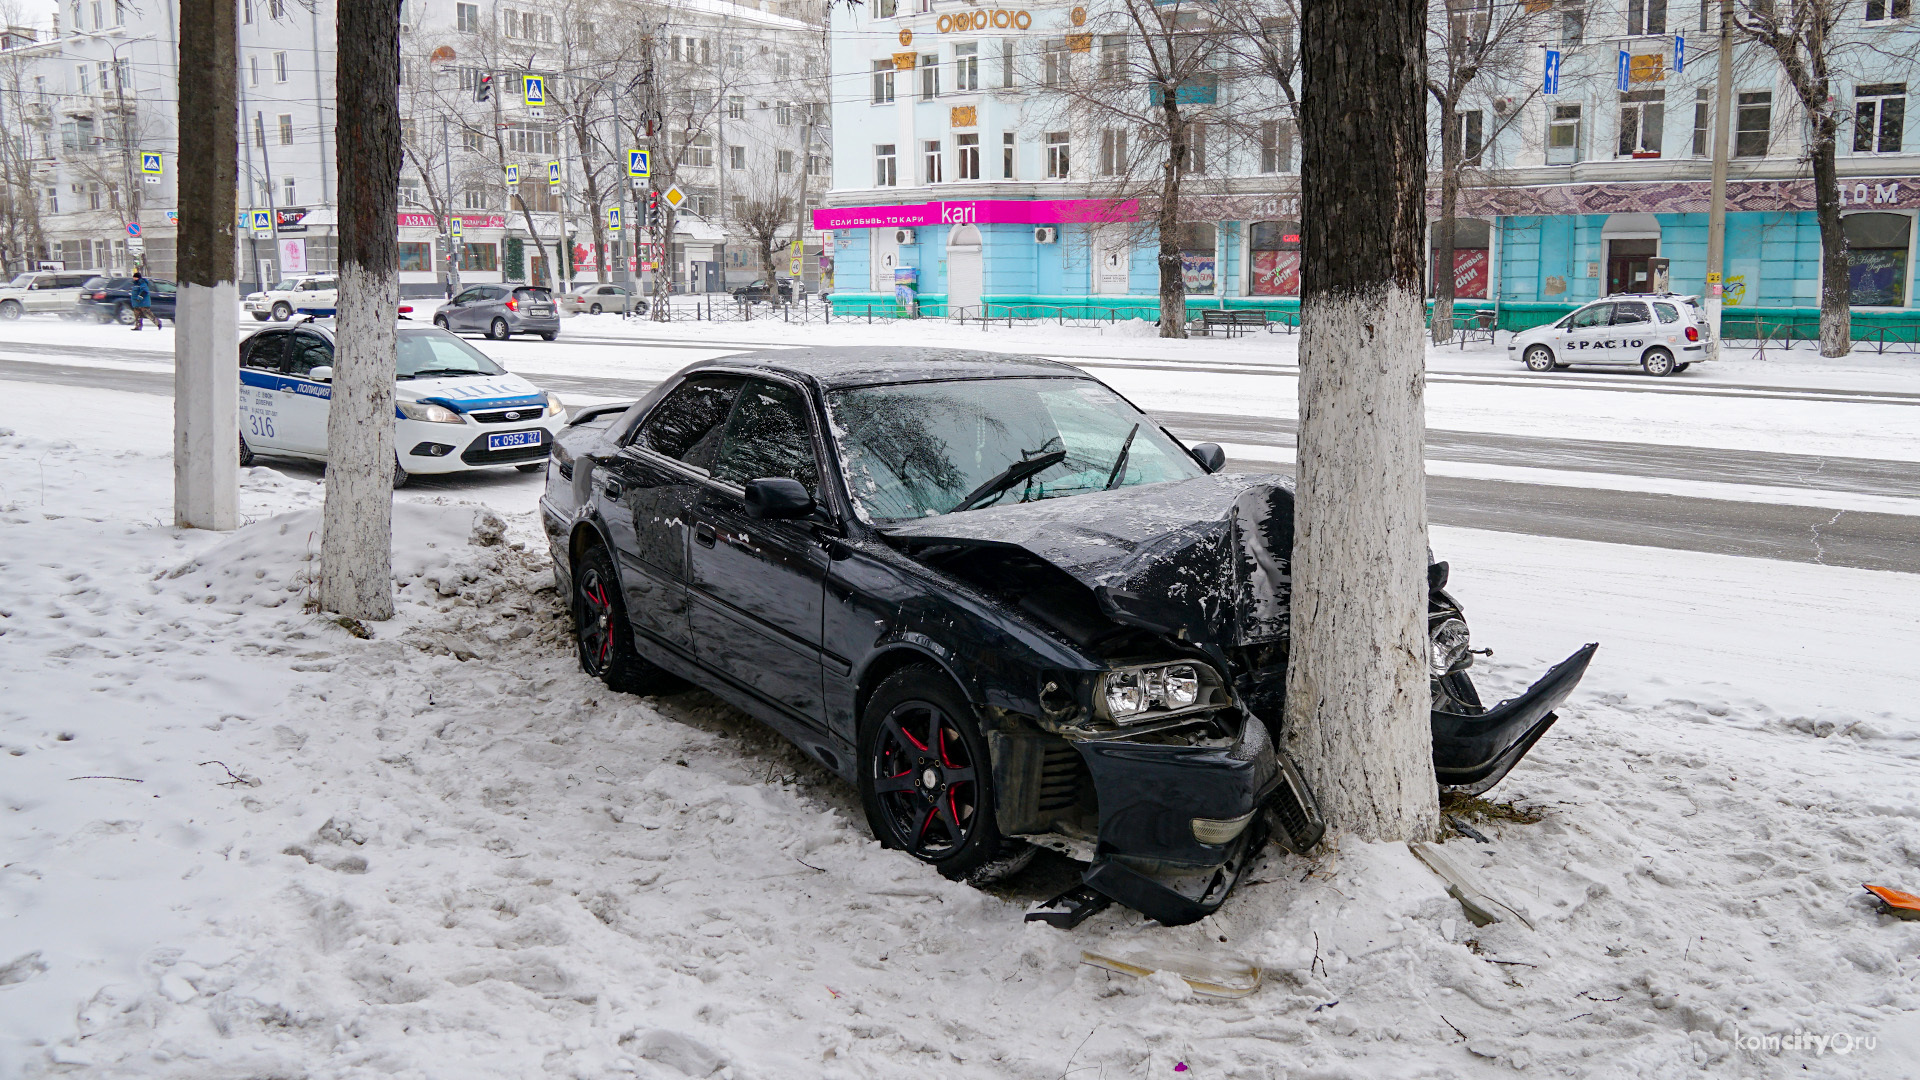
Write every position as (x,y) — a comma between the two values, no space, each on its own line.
(513,440)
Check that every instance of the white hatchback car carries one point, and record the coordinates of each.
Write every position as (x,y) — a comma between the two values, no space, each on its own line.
(1659,333)
(456,410)
(283,300)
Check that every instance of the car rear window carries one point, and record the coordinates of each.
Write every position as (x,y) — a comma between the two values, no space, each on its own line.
(95,283)
(541,296)
(1667,312)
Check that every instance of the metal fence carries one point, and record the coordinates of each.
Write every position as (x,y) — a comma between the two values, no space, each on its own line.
(724,307)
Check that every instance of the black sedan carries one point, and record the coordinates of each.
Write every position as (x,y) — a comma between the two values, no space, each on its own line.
(989,591)
(110,299)
(759,292)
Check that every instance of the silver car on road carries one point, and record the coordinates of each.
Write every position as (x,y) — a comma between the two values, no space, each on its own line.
(501,311)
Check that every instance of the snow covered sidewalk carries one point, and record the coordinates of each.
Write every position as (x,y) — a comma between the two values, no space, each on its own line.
(239,841)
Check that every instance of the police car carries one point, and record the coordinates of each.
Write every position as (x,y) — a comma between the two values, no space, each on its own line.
(1660,333)
(455,409)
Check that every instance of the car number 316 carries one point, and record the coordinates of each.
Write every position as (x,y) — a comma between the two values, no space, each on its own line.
(261,426)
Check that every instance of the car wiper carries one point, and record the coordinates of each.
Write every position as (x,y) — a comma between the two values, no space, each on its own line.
(1011,475)
(1120,461)
(428,372)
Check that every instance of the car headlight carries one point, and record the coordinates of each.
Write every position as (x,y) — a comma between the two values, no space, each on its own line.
(1450,643)
(554,408)
(1133,694)
(429,412)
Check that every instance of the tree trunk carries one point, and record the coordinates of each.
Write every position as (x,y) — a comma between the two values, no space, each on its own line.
(1358,694)
(1441,323)
(356,539)
(1173,281)
(1836,310)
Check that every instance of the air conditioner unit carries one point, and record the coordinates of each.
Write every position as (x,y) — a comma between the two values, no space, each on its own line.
(1045,234)
(903,236)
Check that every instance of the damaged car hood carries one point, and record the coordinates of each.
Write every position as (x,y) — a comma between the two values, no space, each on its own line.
(1205,559)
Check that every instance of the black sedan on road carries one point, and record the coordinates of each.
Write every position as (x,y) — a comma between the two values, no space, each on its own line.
(110,299)
(993,594)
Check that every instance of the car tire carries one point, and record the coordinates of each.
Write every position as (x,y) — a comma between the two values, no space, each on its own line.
(594,310)
(497,330)
(400,474)
(532,466)
(917,726)
(550,336)
(246,454)
(1539,358)
(602,636)
(1677,368)
(1657,362)
(122,314)
(441,322)
(282,311)
(10,310)
(259,316)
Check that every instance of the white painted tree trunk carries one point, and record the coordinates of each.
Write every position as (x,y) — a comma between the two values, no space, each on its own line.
(206,407)
(356,540)
(1358,694)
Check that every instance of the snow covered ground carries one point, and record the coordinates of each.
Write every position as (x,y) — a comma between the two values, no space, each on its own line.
(239,842)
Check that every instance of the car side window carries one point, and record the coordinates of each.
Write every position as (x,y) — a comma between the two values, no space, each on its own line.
(767,435)
(306,353)
(466,297)
(1629,314)
(265,351)
(688,422)
(162,288)
(1667,312)
(1592,316)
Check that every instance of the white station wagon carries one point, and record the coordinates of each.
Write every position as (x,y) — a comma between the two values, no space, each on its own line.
(1659,333)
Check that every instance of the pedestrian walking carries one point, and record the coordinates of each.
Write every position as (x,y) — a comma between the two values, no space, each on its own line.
(143,302)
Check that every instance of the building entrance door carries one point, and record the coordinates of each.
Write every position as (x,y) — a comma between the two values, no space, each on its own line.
(1627,269)
(965,270)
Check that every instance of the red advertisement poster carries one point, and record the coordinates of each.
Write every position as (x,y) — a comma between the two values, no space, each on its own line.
(1276,273)
(1470,273)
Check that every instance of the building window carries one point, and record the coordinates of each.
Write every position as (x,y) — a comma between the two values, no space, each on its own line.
(1276,147)
(85,75)
(736,157)
(736,107)
(1563,135)
(930,157)
(246,12)
(783,114)
(696,152)
(1008,76)
(1467,23)
(929,77)
(882,82)
(1469,133)
(783,161)
(472,142)
(1642,122)
(93,197)
(967,151)
(1646,17)
(1877,246)
(1056,63)
(1753,123)
(1702,123)
(1573,25)
(409,193)
(286,129)
(415,256)
(886,9)
(1113,56)
(782,66)
(279,67)
(1113,152)
(476,198)
(253,71)
(693,50)
(966,67)
(1276,258)
(1059,163)
(521,139)
(535,194)
(885,168)
(289,192)
(277,9)
(479,257)
(1881,10)
(1879,118)
(816,165)
(1197,148)
(1007,146)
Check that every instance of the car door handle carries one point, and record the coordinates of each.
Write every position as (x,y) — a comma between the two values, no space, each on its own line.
(613,489)
(703,534)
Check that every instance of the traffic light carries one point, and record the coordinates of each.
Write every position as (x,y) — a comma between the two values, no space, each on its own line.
(483,90)
(654,219)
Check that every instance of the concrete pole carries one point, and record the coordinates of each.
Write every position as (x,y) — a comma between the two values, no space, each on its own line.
(206,369)
(1717,208)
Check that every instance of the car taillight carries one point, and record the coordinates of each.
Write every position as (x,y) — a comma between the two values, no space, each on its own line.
(1693,333)
(99,296)
(513,305)
(406,309)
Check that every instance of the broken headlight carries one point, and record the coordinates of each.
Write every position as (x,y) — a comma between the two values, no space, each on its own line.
(1132,695)
(1449,643)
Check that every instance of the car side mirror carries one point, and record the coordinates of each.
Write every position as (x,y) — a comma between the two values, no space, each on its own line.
(1210,456)
(776,498)
(323,373)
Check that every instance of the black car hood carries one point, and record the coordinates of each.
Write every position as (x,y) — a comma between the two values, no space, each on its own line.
(1206,558)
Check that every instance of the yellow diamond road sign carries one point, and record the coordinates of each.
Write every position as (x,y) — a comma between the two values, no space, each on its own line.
(674,196)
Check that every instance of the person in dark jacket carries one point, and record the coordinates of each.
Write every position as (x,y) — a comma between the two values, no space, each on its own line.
(143,302)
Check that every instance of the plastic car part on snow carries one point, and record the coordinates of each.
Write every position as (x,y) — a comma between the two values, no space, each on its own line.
(1473,752)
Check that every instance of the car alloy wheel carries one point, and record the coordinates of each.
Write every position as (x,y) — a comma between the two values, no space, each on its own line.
(1657,362)
(123,314)
(440,321)
(594,310)
(498,330)
(602,635)
(282,311)
(1539,358)
(924,780)
(10,309)
(594,621)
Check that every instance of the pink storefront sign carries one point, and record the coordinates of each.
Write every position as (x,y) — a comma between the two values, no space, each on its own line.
(467,221)
(978,212)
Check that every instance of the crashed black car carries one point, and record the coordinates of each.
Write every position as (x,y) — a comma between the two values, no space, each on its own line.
(991,592)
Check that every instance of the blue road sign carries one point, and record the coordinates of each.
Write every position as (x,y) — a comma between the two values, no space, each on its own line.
(150,162)
(1550,83)
(133,229)
(639,165)
(613,219)
(262,221)
(454,228)
(513,174)
(1679,54)
(1622,80)
(535,89)
(553,173)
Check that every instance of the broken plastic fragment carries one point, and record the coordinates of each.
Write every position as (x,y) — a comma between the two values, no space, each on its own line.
(1207,977)
(1900,905)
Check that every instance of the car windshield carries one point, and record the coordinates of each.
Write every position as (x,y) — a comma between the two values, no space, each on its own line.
(920,449)
(285,286)
(21,281)
(431,352)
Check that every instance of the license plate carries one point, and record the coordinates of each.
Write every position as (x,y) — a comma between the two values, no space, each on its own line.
(512,440)
(540,310)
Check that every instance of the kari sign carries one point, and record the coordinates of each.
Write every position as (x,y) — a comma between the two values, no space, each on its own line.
(977,212)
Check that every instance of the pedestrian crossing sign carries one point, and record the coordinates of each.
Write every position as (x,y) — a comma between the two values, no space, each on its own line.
(454,227)
(613,219)
(535,87)
(638,165)
(513,174)
(262,221)
(553,173)
(150,162)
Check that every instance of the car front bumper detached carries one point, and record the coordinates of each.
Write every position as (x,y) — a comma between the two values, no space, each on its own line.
(1474,751)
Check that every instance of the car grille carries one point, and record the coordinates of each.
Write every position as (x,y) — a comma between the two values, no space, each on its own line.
(510,416)
(478,454)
